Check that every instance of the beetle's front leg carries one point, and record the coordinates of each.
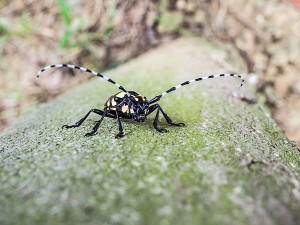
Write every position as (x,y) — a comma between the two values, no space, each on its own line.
(167,118)
(161,130)
(155,121)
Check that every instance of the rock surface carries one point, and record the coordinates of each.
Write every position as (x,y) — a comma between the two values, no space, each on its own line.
(231,164)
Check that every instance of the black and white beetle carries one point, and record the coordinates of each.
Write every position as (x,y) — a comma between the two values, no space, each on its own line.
(129,104)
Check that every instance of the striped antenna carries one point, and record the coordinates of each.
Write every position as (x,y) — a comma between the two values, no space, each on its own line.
(157,98)
(84,70)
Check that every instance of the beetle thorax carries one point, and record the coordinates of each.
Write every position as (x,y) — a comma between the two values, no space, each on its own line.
(135,106)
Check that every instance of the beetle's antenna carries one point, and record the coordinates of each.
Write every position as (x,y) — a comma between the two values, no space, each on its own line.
(158,97)
(84,70)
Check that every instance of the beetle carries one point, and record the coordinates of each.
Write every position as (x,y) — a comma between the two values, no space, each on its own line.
(130,104)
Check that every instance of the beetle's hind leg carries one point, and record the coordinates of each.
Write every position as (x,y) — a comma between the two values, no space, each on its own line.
(79,122)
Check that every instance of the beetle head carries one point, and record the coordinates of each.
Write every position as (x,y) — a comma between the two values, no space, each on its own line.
(140,111)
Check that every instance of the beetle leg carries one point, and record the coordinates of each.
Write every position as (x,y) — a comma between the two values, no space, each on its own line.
(79,122)
(152,108)
(95,128)
(167,118)
(120,134)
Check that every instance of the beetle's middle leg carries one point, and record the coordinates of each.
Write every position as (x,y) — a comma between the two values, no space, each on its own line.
(97,125)
(120,134)
(79,122)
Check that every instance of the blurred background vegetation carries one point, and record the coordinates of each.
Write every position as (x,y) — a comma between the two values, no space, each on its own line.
(105,33)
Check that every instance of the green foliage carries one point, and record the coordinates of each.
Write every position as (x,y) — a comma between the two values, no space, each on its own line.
(25,29)
(66,10)
(5,26)
(171,21)
(20,27)
(111,22)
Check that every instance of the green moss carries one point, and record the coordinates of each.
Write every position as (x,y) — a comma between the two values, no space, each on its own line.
(196,174)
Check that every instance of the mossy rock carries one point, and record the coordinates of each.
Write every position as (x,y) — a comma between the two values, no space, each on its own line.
(231,164)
